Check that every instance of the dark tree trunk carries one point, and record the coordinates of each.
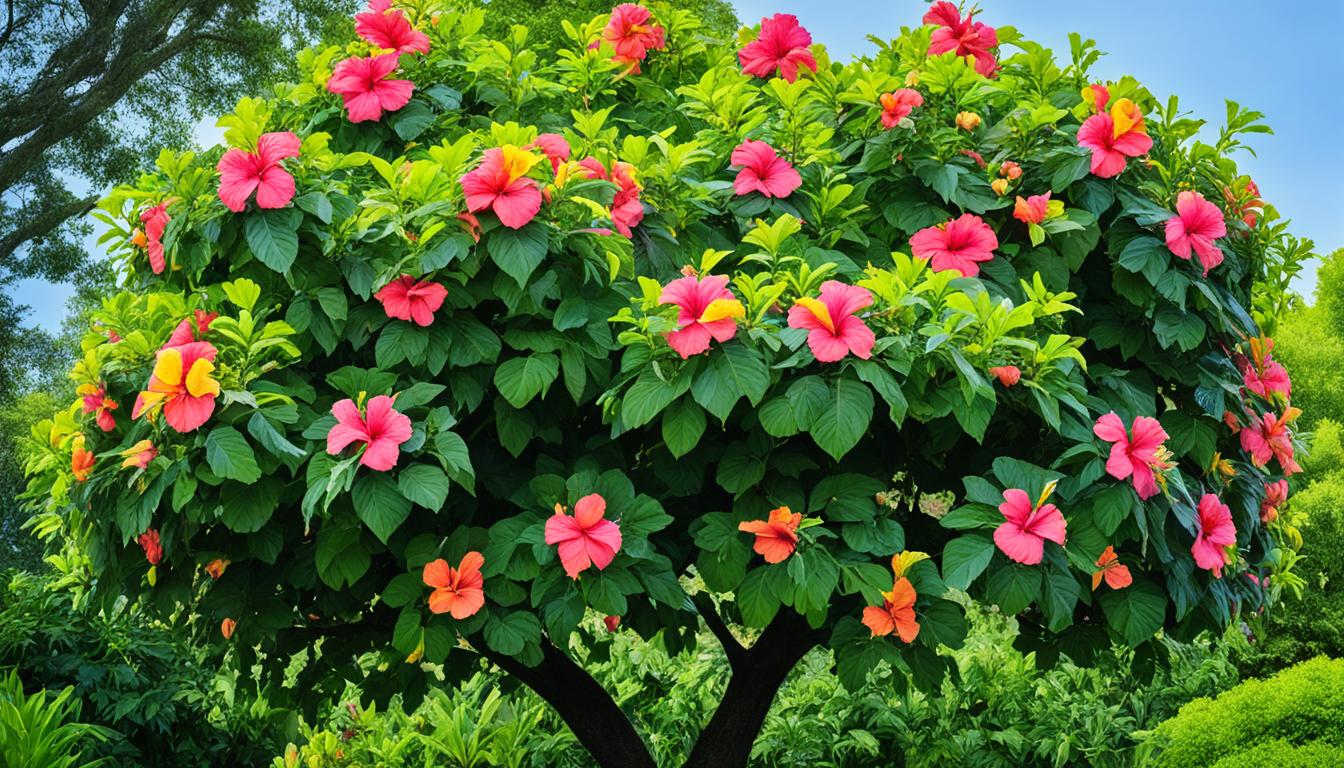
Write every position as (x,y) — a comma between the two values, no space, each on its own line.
(585,706)
(727,739)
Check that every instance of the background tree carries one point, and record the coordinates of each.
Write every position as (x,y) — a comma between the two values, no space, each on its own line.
(91,91)
(814,359)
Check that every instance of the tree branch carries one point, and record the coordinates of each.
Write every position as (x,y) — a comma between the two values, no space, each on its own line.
(585,706)
(734,650)
(42,223)
(9,23)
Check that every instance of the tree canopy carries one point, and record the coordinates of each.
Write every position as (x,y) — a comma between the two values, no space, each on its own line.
(457,340)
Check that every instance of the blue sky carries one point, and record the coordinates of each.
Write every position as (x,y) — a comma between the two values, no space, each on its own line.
(1280,59)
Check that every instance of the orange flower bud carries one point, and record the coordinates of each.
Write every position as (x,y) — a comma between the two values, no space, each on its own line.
(968,121)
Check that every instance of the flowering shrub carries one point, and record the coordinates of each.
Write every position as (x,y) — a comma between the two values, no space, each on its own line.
(459,343)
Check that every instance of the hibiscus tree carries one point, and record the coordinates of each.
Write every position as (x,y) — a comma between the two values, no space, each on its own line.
(563,347)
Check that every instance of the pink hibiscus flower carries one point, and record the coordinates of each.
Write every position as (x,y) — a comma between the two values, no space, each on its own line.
(1276,493)
(897,105)
(1136,453)
(1008,375)
(364,85)
(241,173)
(389,29)
(586,538)
(1032,210)
(783,46)
(1196,225)
(965,36)
(96,401)
(409,299)
(706,310)
(381,429)
(1262,374)
(626,209)
(191,328)
(500,184)
(960,244)
(1114,137)
(156,221)
(1216,533)
(1025,529)
(632,35)
(834,328)
(763,170)
(1268,436)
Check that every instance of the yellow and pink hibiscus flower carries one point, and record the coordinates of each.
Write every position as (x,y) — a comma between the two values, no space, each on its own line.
(156,221)
(139,455)
(706,310)
(897,105)
(96,401)
(1276,493)
(626,209)
(1137,453)
(460,591)
(586,538)
(776,536)
(181,385)
(782,47)
(632,34)
(500,184)
(1262,374)
(241,173)
(1215,534)
(381,429)
(832,322)
(1268,436)
(1114,137)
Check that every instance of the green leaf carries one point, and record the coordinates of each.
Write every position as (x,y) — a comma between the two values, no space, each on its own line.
(380,504)
(246,509)
(756,600)
(646,398)
(840,425)
(411,120)
(882,537)
(1111,506)
(683,425)
(1137,611)
(511,632)
(970,517)
(739,471)
(1171,326)
(965,558)
(229,455)
(403,589)
(1059,598)
(518,252)
(734,371)
(520,379)
(272,236)
(340,558)
(424,484)
(1013,587)
(271,439)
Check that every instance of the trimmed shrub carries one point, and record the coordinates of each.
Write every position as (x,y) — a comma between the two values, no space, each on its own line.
(1297,707)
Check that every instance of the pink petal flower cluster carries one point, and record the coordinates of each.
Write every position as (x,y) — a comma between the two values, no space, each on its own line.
(1268,437)
(1196,225)
(783,46)
(242,173)
(1215,533)
(626,209)
(389,29)
(1113,137)
(381,430)
(1025,529)
(409,299)
(367,89)
(763,170)
(586,538)
(1136,453)
(832,322)
(156,221)
(706,310)
(897,105)
(960,244)
(632,34)
(965,36)
(1262,374)
(554,147)
(500,184)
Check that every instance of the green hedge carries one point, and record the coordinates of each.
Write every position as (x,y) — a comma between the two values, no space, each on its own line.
(1262,719)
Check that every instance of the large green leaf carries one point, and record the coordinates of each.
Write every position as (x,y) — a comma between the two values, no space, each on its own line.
(379,503)
(520,379)
(844,419)
(229,455)
(683,424)
(272,236)
(509,633)
(1012,587)
(424,484)
(965,558)
(1137,611)
(519,251)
